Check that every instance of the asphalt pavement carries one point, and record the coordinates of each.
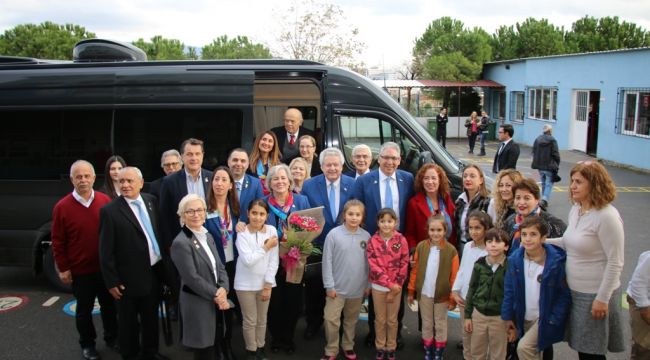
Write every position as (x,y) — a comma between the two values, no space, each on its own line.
(40,328)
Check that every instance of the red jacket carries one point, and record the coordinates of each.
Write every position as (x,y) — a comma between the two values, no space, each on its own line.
(417,213)
(388,261)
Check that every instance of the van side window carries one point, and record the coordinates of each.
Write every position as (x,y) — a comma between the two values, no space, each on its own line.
(141,136)
(41,145)
(373,132)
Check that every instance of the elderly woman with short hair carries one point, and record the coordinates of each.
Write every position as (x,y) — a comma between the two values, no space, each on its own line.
(286,298)
(204,281)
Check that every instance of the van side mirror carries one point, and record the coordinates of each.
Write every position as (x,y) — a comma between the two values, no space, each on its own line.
(425,158)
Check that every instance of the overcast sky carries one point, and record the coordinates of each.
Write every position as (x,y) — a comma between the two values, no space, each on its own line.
(387,27)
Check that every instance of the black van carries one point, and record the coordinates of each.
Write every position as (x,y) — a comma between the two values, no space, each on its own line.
(54,113)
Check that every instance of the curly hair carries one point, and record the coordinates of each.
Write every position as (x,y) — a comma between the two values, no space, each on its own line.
(500,205)
(603,190)
(443,181)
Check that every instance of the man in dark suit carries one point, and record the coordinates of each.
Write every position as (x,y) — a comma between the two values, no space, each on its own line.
(441,130)
(248,187)
(132,264)
(385,187)
(193,179)
(362,159)
(330,190)
(170,162)
(289,134)
(508,152)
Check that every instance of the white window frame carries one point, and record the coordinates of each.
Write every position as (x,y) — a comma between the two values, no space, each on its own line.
(542,103)
(635,117)
(518,103)
(582,105)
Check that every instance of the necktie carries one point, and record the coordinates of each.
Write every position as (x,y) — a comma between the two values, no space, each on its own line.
(147,225)
(499,155)
(333,201)
(292,139)
(388,194)
(501,147)
(238,186)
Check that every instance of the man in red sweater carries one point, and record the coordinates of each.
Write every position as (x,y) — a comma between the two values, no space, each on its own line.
(75,244)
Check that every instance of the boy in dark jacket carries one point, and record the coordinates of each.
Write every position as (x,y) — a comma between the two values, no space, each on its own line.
(537,298)
(484,298)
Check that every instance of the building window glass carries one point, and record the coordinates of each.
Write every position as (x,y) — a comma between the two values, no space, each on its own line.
(517,106)
(542,103)
(636,112)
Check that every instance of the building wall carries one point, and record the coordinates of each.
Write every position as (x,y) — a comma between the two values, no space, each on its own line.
(604,72)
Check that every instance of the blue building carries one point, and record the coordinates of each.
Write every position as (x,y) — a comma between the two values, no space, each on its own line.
(598,103)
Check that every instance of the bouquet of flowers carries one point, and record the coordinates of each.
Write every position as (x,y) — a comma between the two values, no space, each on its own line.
(302,228)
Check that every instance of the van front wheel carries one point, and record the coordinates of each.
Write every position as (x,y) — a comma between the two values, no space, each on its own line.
(52,273)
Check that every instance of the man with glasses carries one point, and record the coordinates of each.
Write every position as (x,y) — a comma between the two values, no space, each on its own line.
(170,162)
(508,151)
(362,159)
(131,258)
(385,187)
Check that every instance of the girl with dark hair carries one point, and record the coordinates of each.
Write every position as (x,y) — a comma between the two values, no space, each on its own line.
(112,169)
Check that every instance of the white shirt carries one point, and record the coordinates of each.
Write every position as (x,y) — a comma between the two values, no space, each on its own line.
(463,218)
(431,274)
(394,190)
(639,286)
(471,253)
(505,143)
(532,272)
(356,174)
(295,138)
(255,266)
(83,201)
(202,236)
(194,186)
(153,258)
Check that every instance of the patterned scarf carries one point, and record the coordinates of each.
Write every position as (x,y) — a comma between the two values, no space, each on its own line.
(281,212)
(442,209)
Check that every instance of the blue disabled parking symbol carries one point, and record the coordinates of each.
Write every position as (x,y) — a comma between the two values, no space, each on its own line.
(71,308)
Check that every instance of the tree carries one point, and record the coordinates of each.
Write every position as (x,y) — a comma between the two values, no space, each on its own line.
(236,48)
(319,32)
(45,41)
(162,49)
(590,34)
(505,43)
(448,51)
(528,39)
(407,72)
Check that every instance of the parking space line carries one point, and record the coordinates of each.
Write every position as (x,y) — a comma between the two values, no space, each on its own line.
(51,301)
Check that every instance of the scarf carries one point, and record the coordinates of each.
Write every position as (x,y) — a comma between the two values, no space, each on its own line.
(261,174)
(442,209)
(224,222)
(281,212)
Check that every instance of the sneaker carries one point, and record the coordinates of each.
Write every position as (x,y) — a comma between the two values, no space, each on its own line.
(329,357)
(380,355)
(349,354)
(390,355)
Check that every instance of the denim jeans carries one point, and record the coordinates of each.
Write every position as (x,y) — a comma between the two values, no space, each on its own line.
(546,176)
(483,137)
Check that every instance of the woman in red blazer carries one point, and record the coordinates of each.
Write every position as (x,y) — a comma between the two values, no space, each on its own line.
(431,197)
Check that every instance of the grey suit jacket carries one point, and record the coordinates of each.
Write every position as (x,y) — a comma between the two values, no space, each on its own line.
(198,288)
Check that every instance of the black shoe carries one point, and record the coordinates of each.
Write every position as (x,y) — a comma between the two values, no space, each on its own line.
(90,353)
(251,355)
(370,340)
(260,354)
(482,153)
(275,347)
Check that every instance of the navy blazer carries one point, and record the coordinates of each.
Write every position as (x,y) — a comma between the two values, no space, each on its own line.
(316,191)
(299,203)
(124,250)
(251,190)
(366,189)
(172,190)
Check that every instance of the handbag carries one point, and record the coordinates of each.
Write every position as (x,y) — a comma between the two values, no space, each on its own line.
(556,177)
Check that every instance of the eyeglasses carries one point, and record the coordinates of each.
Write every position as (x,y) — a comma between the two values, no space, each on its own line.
(171,164)
(390,158)
(192,212)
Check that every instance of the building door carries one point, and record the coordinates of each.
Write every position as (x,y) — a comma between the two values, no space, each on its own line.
(592,119)
(579,125)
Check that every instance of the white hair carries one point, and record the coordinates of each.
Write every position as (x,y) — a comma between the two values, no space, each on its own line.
(274,170)
(171,152)
(137,171)
(182,205)
(331,152)
(81,162)
(389,145)
(359,147)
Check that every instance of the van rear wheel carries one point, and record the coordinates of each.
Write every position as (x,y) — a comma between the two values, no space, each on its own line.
(52,273)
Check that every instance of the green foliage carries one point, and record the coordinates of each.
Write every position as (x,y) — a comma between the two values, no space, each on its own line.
(44,41)
(448,51)
(318,31)
(162,49)
(237,48)
(528,39)
(607,33)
